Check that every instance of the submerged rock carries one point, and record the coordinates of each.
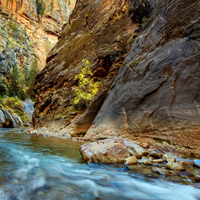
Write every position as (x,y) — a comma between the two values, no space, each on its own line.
(163,171)
(186,174)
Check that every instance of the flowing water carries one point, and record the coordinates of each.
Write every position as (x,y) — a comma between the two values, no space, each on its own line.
(33,167)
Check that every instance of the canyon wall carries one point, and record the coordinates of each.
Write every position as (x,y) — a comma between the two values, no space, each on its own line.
(43,21)
(156,92)
(98,31)
(155,95)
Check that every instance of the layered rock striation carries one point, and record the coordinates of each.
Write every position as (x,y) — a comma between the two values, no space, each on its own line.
(155,95)
(98,31)
(156,92)
(43,20)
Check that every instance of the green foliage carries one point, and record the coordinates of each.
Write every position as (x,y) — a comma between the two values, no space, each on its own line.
(59,116)
(52,5)
(14,81)
(20,84)
(40,9)
(86,87)
(16,107)
(31,77)
(144,21)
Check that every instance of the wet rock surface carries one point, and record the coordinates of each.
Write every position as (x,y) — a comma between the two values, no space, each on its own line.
(116,151)
(163,171)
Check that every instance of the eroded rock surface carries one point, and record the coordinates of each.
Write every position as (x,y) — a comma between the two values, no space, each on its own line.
(43,19)
(102,33)
(156,92)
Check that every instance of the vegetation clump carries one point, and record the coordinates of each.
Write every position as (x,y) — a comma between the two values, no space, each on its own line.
(86,87)
(19,83)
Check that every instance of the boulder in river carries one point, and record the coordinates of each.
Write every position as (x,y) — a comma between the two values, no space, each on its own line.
(111,151)
(105,151)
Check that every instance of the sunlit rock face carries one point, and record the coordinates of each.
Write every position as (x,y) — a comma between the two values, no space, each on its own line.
(156,92)
(43,19)
(98,31)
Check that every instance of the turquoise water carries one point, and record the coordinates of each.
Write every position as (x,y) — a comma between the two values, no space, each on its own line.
(33,167)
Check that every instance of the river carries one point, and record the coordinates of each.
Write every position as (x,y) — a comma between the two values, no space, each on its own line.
(38,168)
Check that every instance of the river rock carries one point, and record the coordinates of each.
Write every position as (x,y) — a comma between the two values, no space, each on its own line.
(105,151)
(196,163)
(157,160)
(186,163)
(186,174)
(146,161)
(135,149)
(168,158)
(169,165)
(163,171)
(131,160)
(177,166)
(156,154)
(197,178)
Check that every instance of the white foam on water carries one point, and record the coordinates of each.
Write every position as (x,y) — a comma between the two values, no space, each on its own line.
(37,182)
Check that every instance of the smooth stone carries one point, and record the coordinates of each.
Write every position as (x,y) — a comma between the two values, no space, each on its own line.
(157,160)
(169,165)
(187,163)
(186,174)
(105,151)
(131,160)
(168,158)
(163,171)
(177,166)
(196,163)
(146,161)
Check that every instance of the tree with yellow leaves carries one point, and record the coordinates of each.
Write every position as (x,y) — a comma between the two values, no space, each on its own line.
(86,87)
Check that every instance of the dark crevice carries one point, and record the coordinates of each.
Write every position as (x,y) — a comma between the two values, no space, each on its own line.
(152,93)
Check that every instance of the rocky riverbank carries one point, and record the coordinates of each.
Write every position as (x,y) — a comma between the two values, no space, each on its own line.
(140,157)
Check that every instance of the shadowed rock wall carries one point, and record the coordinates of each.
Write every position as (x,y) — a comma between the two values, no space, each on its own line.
(156,92)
